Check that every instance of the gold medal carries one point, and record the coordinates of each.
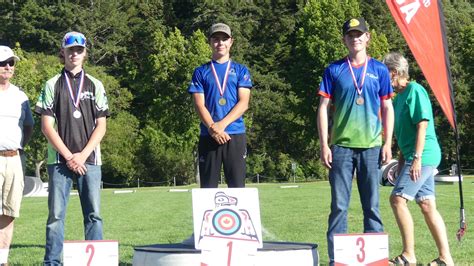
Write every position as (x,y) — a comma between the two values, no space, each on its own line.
(222,101)
(360,100)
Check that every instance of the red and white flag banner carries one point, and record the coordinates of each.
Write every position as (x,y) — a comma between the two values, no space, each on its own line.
(422,24)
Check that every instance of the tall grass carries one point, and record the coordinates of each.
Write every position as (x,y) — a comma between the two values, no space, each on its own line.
(154,215)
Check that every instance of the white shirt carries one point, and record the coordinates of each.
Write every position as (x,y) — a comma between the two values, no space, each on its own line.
(15,112)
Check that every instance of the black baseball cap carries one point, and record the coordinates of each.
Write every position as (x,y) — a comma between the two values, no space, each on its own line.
(357,24)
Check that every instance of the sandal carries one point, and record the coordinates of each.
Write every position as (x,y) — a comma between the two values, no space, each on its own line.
(399,260)
(438,261)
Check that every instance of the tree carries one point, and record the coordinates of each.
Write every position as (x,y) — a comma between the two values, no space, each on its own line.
(145,52)
(171,126)
(120,148)
(460,36)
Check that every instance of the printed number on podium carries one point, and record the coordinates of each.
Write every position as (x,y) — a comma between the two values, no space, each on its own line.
(361,249)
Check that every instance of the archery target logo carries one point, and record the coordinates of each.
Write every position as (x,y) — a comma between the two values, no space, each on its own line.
(226,222)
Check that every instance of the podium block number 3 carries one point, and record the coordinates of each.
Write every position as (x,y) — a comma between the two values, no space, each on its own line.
(361,244)
(361,249)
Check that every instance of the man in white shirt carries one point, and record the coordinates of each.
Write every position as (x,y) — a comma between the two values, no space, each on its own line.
(17,126)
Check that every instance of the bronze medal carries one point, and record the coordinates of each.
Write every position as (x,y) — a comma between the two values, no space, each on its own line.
(360,99)
(222,101)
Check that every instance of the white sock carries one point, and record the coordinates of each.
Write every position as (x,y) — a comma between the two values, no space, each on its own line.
(4,255)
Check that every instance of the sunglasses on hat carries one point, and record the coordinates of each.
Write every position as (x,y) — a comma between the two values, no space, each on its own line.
(8,62)
(74,39)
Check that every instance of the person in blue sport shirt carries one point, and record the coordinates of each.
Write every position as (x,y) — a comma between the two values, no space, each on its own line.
(220,90)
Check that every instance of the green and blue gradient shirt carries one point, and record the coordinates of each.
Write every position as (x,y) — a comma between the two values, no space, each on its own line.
(354,125)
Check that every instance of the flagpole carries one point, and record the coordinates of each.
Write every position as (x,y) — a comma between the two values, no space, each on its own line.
(462,215)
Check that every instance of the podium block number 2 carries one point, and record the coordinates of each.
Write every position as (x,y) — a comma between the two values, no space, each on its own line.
(90,253)
(90,248)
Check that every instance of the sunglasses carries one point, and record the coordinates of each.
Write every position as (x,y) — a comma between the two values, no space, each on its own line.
(9,62)
(75,39)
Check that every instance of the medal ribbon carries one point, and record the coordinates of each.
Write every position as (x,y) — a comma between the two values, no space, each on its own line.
(224,83)
(364,72)
(75,101)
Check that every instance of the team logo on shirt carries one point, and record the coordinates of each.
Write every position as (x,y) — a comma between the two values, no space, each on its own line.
(372,76)
(87,95)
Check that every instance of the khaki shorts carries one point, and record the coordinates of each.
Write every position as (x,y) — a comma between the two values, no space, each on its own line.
(11,185)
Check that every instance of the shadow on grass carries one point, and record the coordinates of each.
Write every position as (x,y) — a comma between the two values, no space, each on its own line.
(12,246)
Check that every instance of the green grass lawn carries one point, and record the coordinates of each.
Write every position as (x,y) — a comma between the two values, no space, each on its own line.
(154,215)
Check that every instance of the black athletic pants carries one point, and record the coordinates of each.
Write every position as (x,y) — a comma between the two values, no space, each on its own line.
(231,154)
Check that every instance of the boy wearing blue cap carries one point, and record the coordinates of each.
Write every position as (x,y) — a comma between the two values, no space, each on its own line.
(73,108)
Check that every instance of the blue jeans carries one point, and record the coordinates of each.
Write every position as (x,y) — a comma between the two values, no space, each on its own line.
(422,189)
(366,163)
(60,184)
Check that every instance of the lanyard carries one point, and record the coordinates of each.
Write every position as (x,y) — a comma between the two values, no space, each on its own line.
(364,72)
(75,101)
(224,83)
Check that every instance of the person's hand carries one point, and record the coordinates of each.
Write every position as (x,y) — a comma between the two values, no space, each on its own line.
(216,128)
(386,154)
(326,156)
(415,170)
(221,138)
(77,164)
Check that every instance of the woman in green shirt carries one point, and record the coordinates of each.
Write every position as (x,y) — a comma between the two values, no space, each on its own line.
(420,154)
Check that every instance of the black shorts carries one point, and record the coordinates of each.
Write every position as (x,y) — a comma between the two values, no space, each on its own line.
(231,154)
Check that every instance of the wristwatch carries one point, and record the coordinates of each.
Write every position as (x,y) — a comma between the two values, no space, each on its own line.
(416,156)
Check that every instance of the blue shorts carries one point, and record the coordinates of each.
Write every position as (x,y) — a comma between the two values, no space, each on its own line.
(422,189)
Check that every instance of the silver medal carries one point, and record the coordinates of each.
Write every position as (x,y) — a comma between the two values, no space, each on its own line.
(77,114)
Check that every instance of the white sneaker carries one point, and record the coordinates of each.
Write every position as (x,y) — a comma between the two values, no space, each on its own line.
(189,241)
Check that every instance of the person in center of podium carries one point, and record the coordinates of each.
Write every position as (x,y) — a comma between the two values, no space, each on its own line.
(221,90)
